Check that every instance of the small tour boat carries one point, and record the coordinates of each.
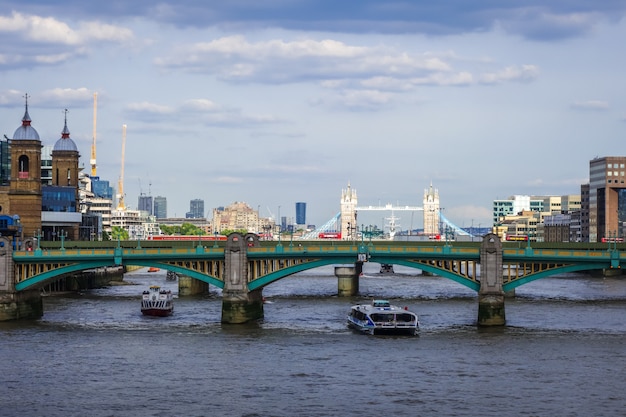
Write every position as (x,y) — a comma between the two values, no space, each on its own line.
(380,317)
(157,302)
(386,268)
(153,269)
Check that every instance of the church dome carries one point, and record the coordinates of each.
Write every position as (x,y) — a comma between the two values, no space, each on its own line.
(65,143)
(26,131)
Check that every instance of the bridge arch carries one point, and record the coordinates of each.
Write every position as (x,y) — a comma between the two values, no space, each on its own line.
(472,285)
(48,277)
(563,269)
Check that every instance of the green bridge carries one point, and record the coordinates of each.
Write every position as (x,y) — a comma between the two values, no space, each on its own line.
(242,266)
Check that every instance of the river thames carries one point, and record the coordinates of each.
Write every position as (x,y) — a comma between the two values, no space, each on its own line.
(562,353)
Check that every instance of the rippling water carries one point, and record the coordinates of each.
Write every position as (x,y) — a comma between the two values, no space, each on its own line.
(562,353)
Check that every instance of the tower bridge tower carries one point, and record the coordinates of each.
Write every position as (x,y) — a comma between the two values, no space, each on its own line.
(348,213)
(431,211)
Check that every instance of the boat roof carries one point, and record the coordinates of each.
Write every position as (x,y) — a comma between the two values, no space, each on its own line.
(155,287)
(380,305)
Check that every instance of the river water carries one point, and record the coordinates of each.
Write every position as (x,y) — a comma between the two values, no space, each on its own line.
(562,353)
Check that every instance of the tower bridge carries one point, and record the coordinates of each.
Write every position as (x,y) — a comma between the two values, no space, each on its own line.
(344,225)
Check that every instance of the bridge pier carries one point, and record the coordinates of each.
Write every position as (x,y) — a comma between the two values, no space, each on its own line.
(191,286)
(491,295)
(15,305)
(348,279)
(238,304)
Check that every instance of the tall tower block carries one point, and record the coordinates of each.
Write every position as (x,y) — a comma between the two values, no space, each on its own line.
(431,212)
(348,213)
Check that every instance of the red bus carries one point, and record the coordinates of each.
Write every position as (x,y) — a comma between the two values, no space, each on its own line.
(612,239)
(517,238)
(329,235)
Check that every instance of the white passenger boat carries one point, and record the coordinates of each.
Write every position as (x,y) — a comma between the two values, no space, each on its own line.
(380,317)
(157,302)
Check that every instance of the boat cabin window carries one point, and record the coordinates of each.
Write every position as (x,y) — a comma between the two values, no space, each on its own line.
(404,317)
(382,317)
(381,303)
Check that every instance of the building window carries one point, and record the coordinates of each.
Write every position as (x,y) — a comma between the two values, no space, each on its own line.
(23,166)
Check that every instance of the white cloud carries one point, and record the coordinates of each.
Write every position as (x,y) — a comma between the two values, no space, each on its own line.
(522,73)
(597,105)
(53,31)
(147,107)
(234,58)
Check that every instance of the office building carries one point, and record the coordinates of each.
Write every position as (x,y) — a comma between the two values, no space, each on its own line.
(196,209)
(145,203)
(160,207)
(300,213)
(607,198)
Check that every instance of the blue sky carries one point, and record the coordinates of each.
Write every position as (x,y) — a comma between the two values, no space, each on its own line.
(281,101)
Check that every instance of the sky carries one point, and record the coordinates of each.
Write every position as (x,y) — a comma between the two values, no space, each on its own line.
(282,101)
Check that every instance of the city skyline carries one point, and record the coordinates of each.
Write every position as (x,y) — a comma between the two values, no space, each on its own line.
(276,103)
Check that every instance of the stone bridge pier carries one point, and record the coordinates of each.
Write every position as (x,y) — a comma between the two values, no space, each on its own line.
(491,294)
(238,304)
(348,279)
(15,305)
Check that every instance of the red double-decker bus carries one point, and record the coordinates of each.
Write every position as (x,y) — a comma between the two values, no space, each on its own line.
(517,238)
(329,235)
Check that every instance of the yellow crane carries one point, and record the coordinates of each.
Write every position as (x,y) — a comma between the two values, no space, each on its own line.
(120,196)
(92,161)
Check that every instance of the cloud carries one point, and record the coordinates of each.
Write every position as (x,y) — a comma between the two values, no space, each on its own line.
(201,111)
(594,105)
(356,100)
(524,73)
(49,30)
(32,40)
(542,24)
(533,19)
(235,59)
(362,77)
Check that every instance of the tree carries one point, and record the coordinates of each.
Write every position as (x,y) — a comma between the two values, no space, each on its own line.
(186,229)
(119,233)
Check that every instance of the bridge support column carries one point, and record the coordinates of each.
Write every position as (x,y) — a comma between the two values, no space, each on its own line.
(191,286)
(15,305)
(348,279)
(491,295)
(239,305)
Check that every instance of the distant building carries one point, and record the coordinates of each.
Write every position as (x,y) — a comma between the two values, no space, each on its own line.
(145,203)
(160,207)
(556,228)
(196,209)
(5,162)
(607,198)
(240,216)
(101,188)
(301,213)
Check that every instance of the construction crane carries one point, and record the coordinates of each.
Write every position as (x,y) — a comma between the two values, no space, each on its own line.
(92,161)
(120,196)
